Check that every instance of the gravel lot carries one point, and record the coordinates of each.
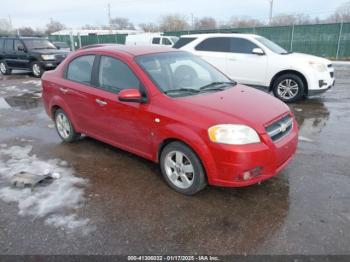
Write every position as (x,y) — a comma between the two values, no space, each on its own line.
(108,201)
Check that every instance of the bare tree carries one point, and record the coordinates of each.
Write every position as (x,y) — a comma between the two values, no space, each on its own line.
(5,26)
(54,26)
(90,27)
(242,21)
(173,23)
(149,27)
(205,23)
(341,14)
(291,19)
(27,31)
(120,23)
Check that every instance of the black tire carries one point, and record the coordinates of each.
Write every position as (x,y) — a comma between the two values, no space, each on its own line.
(37,69)
(297,93)
(4,69)
(73,135)
(198,177)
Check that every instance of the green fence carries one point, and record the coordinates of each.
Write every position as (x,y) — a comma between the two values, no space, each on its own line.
(326,40)
(80,41)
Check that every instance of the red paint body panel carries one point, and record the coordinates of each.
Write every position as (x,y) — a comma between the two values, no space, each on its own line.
(133,126)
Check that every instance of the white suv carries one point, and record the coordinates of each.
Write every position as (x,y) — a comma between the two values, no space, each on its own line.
(256,61)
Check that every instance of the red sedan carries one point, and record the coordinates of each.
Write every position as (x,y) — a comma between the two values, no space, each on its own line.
(175,109)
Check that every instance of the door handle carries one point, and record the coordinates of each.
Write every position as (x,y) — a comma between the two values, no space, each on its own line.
(64,90)
(100,102)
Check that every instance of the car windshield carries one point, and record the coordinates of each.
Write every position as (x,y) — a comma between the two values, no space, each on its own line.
(33,44)
(272,46)
(182,74)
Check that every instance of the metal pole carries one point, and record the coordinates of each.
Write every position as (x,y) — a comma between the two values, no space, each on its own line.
(270,15)
(292,38)
(79,39)
(339,38)
(71,38)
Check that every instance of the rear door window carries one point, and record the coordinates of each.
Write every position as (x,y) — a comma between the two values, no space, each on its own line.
(214,44)
(9,45)
(80,69)
(156,40)
(166,41)
(184,41)
(243,46)
(114,75)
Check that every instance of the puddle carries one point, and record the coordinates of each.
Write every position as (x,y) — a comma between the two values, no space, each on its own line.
(57,203)
(22,101)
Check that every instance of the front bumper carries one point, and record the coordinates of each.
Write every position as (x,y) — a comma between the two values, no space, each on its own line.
(50,64)
(268,157)
(319,83)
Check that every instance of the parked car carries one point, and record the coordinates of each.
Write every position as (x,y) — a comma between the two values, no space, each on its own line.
(175,109)
(150,39)
(62,46)
(29,53)
(256,61)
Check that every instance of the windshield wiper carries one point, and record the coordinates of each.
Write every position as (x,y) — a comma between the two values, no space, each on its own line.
(182,90)
(216,86)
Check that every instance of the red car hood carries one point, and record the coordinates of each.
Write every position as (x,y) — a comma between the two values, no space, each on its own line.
(239,104)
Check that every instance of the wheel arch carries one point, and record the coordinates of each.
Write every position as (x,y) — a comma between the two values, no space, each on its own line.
(290,71)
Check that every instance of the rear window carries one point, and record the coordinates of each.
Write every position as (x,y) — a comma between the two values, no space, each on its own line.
(184,41)
(215,44)
(79,70)
(166,41)
(156,40)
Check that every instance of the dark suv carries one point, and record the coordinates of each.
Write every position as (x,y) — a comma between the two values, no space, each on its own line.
(29,53)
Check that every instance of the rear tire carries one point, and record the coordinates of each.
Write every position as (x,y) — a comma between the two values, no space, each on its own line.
(182,169)
(289,88)
(37,69)
(64,127)
(4,69)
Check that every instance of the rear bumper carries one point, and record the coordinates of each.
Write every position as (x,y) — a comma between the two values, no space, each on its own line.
(268,157)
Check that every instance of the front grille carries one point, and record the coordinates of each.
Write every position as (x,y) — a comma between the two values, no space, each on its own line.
(332,74)
(280,128)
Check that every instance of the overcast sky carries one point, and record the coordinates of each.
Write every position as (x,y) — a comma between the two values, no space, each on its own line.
(75,13)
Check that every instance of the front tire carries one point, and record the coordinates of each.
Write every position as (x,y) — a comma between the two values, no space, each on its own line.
(4,69)
(37,69)
(64,127)
(182,169)
(289,88)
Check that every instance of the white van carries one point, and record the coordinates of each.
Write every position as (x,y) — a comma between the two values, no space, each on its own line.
(254,60)
(150,39)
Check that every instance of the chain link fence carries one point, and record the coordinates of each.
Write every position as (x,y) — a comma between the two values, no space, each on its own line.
(326,40)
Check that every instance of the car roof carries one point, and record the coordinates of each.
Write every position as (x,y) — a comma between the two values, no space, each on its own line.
(130,49)
(220,35)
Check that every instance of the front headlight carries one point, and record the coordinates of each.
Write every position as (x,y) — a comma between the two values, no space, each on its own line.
(233,134)
(318,66)
(48,57)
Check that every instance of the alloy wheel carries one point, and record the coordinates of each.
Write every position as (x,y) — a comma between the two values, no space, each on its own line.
(3,68)
(36,70)
(63,125)
(288,89)
(179,169)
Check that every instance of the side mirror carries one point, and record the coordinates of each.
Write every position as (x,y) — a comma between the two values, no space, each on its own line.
(258,51)
(21,48)
(131,95)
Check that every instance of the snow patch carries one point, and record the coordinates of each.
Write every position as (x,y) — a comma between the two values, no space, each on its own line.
(56,202)
(305,139)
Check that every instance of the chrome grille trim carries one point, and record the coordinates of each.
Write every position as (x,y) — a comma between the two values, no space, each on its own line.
(280,128)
